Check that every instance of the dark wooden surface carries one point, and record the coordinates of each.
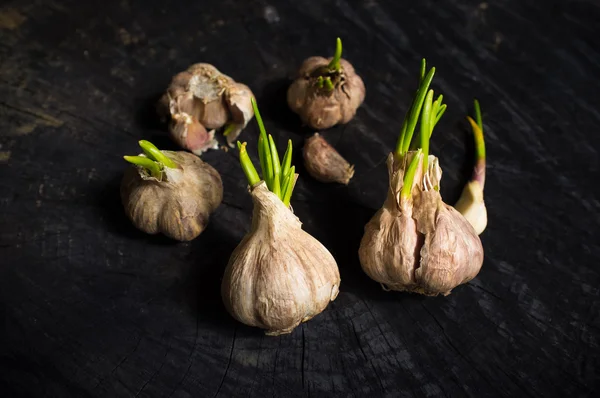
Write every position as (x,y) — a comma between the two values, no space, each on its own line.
(90,307)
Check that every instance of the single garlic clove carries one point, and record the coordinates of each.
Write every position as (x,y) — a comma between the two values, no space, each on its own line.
(472,206)
(189,134)
(213,114)
(279,275)
(180,204)
(238,99)
(324,163)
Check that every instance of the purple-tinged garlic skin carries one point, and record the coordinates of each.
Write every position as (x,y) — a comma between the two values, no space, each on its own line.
(180,204)
(204,95)
(319,108)
(279,275)
(419,244)
(324,163)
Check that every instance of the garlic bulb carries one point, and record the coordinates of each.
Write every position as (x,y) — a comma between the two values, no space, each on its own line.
(172,193)
(471,204)
(326,92)
(202,98)
(324,163)
(279,275)
(417,243)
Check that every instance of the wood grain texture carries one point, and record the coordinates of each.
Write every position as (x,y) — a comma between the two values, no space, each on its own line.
(90,307)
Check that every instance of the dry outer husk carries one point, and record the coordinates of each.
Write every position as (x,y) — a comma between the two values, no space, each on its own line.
(419,244)
(202,99)
(279,275)
(324,163)
(180,204)
(321,109)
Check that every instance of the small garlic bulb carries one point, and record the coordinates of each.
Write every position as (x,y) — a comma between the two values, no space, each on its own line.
(327,91)
(324,163)
(177,202)
(416,242)
(279,275)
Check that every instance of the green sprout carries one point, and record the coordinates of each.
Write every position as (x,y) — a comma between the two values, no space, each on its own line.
(477,127)
(228,129)
(409,177)
(280,176)
(154,160)
(335,65)
(424,110)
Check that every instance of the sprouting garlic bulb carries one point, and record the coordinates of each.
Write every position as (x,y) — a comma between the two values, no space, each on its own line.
(418,243)
(279,275)
(324,163)
(327,91)
(178,203)
(202,99)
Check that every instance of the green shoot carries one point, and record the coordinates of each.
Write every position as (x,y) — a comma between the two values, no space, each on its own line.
(426,127)
(423,70)
(247,165)
(412,116)
(153,153)
(335,65)
(409,177)
(287,162)
(153,167)
(276,182)
(289,187)
(279,176)
(477,127)
(479,140)
(478,115)
(228,129)
(328,84)
(320,82)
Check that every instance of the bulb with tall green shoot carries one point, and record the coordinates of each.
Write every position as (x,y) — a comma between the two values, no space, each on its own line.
(471,204)
(279,275)
(172,193)
(416,242)
(327,91)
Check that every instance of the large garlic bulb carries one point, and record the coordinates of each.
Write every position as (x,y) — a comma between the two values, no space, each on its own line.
(279,275)
(418,243)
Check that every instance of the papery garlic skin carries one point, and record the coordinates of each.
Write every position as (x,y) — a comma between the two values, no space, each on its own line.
(472,207)
(319,108)
(205,96)
(419,244)
(324,163)
(279,275)
(180,205)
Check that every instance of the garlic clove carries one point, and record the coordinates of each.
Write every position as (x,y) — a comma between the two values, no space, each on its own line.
(213,114)
(472,206)
(189,134)
(279,275)
(324,163)
(238,99)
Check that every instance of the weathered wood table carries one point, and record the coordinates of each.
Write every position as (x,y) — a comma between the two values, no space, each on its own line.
(89,306)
